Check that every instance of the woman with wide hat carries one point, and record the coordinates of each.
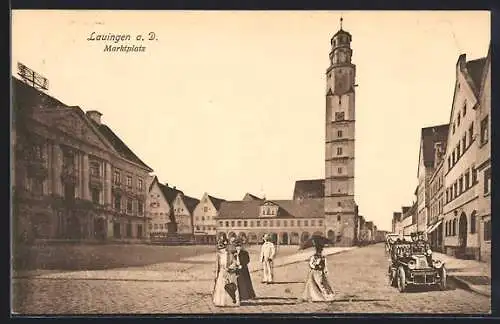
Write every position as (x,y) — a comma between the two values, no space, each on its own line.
(226,293)
(317,287)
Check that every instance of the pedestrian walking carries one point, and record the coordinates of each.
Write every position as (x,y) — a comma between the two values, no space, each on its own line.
(225,292)
(317,288)
(245,286)
(267,253)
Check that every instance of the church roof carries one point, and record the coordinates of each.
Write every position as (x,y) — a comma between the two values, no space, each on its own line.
(306,208)
(309,189)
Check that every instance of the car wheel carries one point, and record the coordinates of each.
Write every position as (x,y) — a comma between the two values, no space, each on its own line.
(401,280)
(442,284)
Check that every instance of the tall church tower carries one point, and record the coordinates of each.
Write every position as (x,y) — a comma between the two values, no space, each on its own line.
(340,208)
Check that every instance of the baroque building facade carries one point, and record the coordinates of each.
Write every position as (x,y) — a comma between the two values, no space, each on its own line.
(74,178)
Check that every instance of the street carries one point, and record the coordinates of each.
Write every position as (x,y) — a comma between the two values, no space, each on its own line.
(358,277)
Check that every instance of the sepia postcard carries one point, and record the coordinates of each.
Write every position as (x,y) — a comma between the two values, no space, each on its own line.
(269,162)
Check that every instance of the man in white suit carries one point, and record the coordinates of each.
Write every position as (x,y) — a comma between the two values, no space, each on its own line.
(267,253)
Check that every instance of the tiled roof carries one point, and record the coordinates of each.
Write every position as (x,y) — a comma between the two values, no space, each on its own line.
(216,202)
(119,145)
(475,71)
(306,208)
(190,203)
(26,96)
(168,192)
(430,136)
(249,196)
(309,189)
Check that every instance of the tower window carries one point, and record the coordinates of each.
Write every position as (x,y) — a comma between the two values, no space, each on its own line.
(339,170)
(339,151)
(339,133)
(339,116)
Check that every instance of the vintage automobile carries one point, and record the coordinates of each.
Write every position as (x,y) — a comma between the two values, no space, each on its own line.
(413,266)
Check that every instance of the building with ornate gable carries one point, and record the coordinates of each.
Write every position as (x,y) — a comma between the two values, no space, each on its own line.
(159,208)
(74,177)
(204,218)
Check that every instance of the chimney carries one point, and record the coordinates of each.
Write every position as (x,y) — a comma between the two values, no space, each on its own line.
(174,187)
(95,116)
(166,184)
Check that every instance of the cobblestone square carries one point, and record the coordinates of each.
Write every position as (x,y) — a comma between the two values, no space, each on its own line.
(358,277)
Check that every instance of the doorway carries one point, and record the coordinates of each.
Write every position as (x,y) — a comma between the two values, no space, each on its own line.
(462,235)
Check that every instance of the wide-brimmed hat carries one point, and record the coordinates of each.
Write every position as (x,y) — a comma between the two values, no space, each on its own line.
(221,244)
(238,242)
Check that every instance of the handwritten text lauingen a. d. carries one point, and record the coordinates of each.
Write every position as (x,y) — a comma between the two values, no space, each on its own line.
(126,39)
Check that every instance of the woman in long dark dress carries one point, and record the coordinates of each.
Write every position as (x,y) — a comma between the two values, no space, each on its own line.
(317,287)
(245,286)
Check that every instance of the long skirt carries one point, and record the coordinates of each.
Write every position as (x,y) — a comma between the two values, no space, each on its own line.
(226,293)
(317,287)
(245,286)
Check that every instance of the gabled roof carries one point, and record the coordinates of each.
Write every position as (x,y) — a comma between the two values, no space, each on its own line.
(27,98)
(430,136)
(475,71)
(169,193)
(190,203)
(485,72)
(249,196)
(216,202)
(309,189)
(120,146)
(306,208)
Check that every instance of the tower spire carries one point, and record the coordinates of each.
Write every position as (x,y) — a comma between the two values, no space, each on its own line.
(341,19)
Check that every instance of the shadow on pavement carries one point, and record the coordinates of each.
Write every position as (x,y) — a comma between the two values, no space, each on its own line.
(276,298)
(286,282)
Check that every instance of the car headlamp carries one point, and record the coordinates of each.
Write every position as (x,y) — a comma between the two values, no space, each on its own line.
(429,252)
(412,265)
(438,264)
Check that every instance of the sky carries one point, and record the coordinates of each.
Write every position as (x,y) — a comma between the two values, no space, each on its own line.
(234,102)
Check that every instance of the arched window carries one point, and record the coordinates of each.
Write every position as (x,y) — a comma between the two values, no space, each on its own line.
(454,227)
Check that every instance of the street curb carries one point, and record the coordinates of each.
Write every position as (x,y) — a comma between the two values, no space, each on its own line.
(298,261)
(468,286)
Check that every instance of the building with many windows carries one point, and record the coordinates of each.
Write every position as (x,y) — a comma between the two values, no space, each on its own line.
(436,199)
(184,207)
(74,178)
(460,170)
(432,140)
(483,162)
(161,220)
(204,216)
(287,221)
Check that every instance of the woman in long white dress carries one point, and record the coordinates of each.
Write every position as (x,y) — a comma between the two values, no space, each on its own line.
(317,287)
(226,293)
